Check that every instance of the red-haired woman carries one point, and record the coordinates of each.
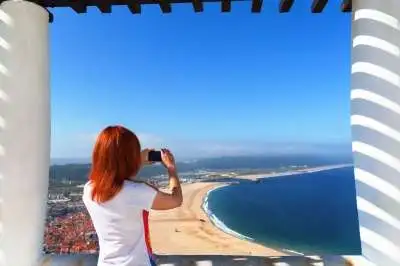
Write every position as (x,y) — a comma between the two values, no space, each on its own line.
(118,205)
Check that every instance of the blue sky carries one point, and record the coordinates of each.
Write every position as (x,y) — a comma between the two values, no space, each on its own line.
(208,84)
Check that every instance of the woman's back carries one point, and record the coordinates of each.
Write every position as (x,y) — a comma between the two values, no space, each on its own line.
(121,224)
(118,205)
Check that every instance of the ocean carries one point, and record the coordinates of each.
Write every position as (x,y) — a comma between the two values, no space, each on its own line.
(308,213)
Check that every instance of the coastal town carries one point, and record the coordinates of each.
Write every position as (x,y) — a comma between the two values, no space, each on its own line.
(68,227)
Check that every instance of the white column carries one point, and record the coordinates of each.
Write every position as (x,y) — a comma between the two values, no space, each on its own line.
(375,120)
(24,131)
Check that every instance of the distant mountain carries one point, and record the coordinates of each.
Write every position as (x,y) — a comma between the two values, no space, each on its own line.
(79,172)
(62,161)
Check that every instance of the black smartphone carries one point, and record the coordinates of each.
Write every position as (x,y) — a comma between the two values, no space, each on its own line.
(154,156)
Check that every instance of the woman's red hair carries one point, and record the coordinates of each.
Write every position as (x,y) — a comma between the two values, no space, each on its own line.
(116,157)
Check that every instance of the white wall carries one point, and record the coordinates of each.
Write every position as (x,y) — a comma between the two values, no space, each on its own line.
(375,119)
(24,131)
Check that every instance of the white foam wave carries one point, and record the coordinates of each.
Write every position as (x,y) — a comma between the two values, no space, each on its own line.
(220,224)
(293,252)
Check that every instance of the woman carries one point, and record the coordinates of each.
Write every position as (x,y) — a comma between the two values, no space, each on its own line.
(118,204)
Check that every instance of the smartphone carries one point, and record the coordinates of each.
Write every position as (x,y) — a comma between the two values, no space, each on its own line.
(154,156)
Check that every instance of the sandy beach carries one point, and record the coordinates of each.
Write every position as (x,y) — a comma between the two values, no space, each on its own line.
(294,172)
(188,230)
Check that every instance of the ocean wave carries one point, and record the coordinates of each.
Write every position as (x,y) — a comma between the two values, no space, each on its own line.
(223,227)
(220,224)
(293,252)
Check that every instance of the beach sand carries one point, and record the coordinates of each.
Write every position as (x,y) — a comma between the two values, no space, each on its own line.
(293,172)
(188,231)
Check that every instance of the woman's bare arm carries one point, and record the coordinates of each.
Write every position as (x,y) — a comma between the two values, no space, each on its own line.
(167,201)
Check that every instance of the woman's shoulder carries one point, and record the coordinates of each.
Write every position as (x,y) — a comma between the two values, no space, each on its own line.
(137,185)
(87,188)
(87,185)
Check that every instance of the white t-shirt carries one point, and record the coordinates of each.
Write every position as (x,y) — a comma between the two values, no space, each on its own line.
(122,225)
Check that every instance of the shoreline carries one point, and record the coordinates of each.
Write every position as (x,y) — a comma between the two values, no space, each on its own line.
(255,177)
(193,230)
(189,231)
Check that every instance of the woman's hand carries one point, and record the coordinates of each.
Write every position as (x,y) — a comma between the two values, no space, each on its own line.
(144,155)
(168,160)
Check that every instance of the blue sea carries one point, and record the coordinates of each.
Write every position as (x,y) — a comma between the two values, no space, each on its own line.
(308,213)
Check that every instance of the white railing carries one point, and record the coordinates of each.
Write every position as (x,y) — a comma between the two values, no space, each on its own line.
(205,260)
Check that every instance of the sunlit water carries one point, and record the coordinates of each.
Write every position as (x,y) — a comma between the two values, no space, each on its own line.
(311,213)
